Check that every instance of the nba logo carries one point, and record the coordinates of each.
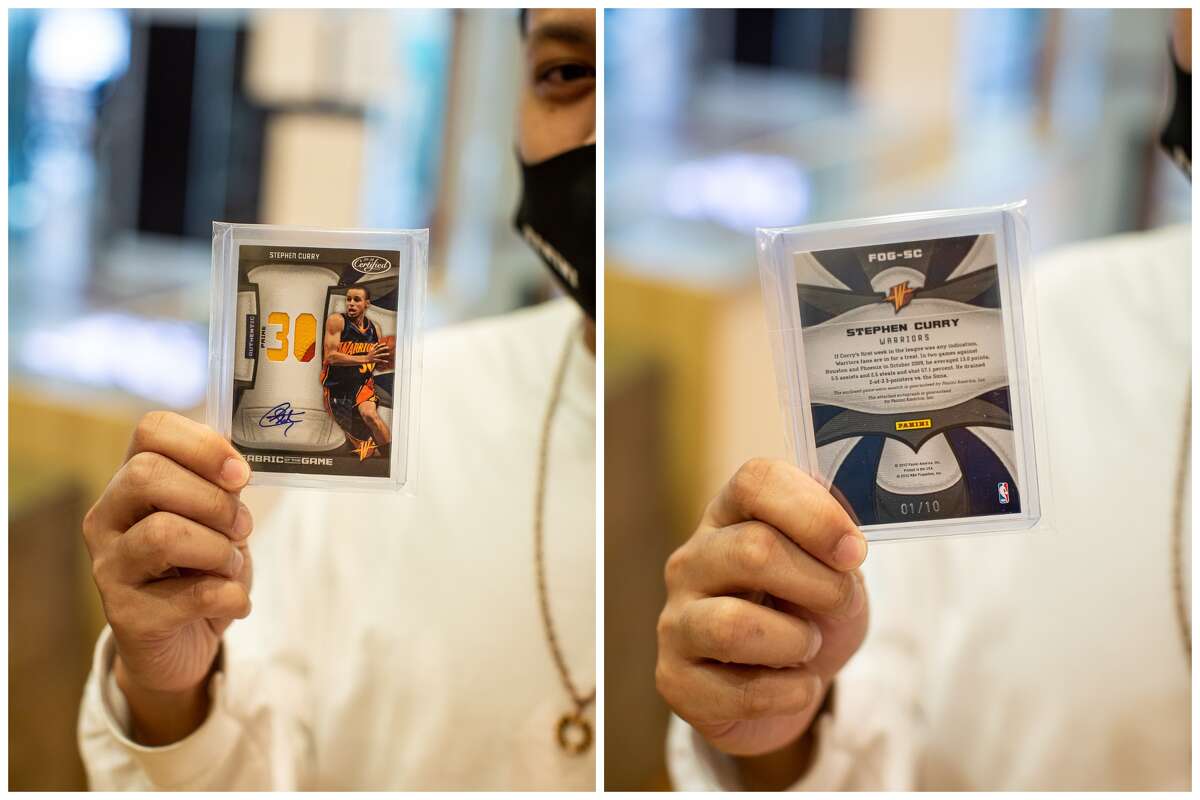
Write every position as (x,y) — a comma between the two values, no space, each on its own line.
(1002,491)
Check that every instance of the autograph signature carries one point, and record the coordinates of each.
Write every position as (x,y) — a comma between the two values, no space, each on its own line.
(282,414)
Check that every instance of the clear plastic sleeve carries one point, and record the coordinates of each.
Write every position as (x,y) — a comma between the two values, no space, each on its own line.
(315,353)
(905,352)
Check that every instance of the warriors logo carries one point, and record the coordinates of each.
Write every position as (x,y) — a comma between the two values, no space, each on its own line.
(899,295)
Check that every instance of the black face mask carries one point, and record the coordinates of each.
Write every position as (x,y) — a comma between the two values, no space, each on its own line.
(1176,138)
(557,217)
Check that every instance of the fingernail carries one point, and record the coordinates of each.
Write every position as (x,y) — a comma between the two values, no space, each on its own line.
(234,472)
(814,642)
(235,563)
(850,551)
(860,597)
(244,523)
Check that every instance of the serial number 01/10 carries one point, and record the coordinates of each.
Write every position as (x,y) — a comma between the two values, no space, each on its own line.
(920,507)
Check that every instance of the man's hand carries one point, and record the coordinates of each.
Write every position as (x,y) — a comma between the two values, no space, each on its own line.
(168,546)
(765,605)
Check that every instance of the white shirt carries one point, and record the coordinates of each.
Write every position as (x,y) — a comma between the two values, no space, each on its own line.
(1052,659)
(395,642)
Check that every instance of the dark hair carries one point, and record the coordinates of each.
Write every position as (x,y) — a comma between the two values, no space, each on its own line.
(363,289)
(522,17)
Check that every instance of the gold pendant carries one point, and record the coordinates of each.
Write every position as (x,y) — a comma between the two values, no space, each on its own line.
(574,733)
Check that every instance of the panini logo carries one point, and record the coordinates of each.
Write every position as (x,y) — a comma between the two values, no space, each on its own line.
(371,265)
(913,424)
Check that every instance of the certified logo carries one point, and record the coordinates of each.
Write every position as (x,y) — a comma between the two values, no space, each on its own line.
(1002,492)
(371,265)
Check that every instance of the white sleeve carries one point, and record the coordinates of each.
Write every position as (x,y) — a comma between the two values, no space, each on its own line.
(257,735)
(872,739)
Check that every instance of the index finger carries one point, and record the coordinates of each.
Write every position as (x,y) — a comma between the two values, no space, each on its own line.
(192,446)
(790,500)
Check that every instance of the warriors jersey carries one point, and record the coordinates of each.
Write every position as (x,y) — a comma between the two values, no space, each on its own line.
(348,380)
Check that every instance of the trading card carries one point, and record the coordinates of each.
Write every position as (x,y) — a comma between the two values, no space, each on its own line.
(319,338)
(905,355)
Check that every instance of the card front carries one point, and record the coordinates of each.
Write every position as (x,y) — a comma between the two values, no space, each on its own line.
(315,359)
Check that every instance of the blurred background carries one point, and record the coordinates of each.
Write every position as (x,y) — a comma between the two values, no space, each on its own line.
(129,133)
(720,121)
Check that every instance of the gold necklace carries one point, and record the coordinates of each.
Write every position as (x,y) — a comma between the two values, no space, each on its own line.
(574,732)
(1181,610)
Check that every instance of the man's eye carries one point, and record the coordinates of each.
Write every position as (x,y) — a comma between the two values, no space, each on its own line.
(567,73)
(565,82)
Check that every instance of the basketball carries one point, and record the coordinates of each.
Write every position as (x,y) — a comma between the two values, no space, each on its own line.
(390,361)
